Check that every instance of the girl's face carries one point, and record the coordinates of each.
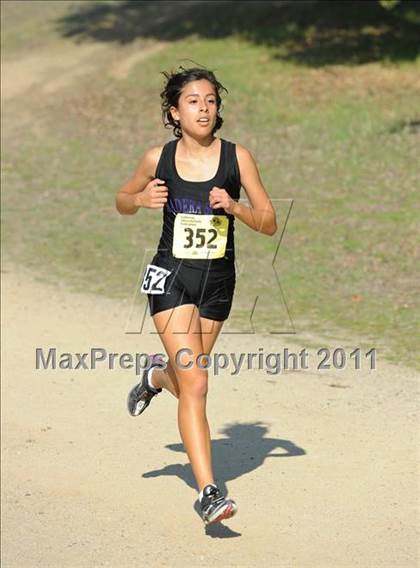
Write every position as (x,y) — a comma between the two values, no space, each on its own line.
(197,107)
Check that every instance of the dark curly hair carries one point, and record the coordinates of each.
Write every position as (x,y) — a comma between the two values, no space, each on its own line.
(175,82)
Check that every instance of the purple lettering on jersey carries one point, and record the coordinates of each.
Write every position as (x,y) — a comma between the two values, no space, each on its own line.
(187,205)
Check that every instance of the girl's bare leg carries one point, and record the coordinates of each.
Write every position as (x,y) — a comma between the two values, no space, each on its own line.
(191,384)
(166,378)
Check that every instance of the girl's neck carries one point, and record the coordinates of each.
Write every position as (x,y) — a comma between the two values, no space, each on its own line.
(195,148)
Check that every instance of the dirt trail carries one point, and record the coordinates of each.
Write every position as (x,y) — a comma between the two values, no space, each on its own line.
(324,477)
(52,70)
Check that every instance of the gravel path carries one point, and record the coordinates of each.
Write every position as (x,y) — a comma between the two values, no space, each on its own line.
(322,464)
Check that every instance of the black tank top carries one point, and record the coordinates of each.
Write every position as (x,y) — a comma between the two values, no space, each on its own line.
(193,197)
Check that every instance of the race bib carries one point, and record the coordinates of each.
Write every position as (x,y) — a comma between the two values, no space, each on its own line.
(200,236)
(154,279)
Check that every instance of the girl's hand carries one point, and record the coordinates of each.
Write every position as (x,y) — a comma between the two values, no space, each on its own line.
(153,196)
(220,199)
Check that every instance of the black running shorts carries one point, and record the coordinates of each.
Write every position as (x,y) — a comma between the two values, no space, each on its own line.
(211,291)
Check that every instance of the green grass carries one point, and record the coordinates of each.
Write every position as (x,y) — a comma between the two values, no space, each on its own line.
(342,142)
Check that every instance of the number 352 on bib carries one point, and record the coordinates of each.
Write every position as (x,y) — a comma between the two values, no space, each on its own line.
(200,236)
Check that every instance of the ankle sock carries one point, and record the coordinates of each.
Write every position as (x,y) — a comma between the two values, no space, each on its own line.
(149,378)
(200,495)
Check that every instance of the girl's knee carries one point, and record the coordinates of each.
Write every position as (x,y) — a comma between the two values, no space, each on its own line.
(193,385)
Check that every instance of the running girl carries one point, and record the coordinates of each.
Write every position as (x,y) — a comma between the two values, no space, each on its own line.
(196,179)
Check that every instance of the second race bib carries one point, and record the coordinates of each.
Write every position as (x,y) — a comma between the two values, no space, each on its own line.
(200,236)
(154,279)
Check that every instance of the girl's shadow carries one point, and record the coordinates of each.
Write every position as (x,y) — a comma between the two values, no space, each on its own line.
(244,448)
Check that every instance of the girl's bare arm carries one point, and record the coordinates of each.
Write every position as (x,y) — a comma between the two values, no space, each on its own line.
(142,189)
(261,216)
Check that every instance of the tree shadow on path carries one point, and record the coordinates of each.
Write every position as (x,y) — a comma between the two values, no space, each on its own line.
(312,33)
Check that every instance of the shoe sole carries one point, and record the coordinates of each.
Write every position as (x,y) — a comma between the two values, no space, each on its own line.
(226,513)
(139,408)
(143,405)
(135,408)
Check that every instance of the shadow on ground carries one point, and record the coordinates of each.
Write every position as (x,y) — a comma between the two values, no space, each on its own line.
(310,32)
(243,450)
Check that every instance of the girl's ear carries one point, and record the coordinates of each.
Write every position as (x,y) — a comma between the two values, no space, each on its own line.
(174,113)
